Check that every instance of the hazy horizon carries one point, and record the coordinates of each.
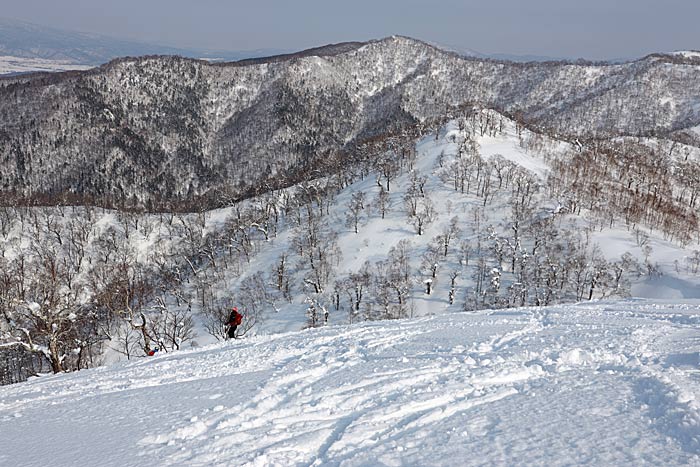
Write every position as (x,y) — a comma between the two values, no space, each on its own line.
(595,30)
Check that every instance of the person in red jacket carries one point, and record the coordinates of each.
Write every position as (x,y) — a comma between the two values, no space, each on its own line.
(234,319)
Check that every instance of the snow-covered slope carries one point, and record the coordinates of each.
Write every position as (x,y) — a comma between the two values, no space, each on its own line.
(256,254)
(609,383)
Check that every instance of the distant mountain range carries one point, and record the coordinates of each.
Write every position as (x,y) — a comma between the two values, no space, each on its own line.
(68,50)
(467,52)
(27,47)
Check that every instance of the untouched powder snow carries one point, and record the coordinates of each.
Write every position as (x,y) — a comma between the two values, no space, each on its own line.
(607,383)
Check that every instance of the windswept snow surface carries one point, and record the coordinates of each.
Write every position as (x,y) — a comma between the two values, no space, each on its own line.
(608,383)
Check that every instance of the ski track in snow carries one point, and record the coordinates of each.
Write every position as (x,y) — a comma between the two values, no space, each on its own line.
(610,383)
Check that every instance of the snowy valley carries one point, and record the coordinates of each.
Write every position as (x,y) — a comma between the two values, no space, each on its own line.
(17,65)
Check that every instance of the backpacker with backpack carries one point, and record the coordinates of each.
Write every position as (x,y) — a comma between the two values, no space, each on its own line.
(234,320)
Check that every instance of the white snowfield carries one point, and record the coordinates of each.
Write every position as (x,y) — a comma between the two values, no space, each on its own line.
(10,64)
(607,383)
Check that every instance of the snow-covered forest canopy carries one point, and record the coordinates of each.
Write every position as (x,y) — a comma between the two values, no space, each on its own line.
(168,133)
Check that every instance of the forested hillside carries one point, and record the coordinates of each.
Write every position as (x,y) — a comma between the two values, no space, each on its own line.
(477,212)
(168,133)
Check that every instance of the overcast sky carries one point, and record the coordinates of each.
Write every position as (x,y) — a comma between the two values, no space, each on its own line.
(594,29)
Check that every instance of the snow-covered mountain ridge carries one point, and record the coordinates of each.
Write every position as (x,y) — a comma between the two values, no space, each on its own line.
(608,383)
(155,132)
